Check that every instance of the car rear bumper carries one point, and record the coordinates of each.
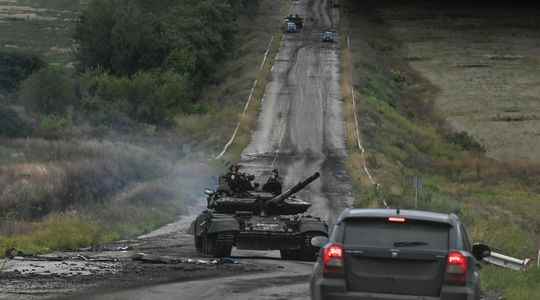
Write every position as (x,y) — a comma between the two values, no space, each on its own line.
(334,289)
(370,296)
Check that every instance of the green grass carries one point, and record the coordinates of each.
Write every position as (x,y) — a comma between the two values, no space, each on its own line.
(513,285)
(112,189)
(48,35)
(90,226)
(62,231)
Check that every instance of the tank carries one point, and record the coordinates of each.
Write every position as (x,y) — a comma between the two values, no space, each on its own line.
(244,215)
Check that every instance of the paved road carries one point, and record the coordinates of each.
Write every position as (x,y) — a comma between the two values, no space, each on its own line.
(287,283)
(300,131)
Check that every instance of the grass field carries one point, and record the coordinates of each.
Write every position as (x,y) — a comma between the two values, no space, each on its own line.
(40,26)
(484,61)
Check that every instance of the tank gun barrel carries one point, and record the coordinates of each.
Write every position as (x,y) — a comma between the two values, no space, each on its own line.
(295,189)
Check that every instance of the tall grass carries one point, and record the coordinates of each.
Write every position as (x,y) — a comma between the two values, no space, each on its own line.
(513,285)
(55,176)
(58,231)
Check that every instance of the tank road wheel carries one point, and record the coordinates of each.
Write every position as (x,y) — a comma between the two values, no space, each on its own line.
(218,245)
(285,254)
(222,250)
(289,254)
(198,244)
(308,252)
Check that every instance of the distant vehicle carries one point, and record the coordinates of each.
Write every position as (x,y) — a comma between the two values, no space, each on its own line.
(294,23)
(389,254)
(329,36)
(244,215)
(291,27)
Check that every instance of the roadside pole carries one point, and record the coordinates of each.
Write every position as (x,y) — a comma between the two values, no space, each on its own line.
(538,260)
(418,186)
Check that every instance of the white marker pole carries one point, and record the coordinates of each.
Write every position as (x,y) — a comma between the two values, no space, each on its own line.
(538,260)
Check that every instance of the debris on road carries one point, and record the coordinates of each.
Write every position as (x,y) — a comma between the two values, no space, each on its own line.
(78,257)
(149,258)
(508,262)
(106,248)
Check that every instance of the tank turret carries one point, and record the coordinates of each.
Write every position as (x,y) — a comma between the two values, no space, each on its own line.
(261,202)
(279,199)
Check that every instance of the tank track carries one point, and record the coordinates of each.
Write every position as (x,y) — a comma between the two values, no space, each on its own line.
(217,245)
(225,239)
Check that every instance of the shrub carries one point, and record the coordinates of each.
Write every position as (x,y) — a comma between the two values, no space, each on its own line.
(54,126)
(11,125)
(48,91)
(15,67)
(147,97)
(465,141)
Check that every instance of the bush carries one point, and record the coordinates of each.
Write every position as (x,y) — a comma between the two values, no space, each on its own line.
(48,91)
(11,125)
(466,142)
(147,97)
(15,67)
(189,37)
(54,126)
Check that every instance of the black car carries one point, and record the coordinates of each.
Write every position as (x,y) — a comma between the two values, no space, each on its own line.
(389,254)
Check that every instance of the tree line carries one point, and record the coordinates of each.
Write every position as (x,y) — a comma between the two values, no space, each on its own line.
(145,60)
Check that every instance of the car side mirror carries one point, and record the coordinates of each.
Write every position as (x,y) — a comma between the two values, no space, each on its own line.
(319,241)
(480,251)
(209,192)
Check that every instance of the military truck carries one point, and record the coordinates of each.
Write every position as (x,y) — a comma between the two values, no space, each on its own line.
(293,23)
(241,214)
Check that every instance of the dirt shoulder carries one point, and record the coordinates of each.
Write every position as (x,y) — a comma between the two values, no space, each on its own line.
(112,267)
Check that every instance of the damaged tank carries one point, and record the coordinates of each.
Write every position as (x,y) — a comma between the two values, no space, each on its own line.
(242,215)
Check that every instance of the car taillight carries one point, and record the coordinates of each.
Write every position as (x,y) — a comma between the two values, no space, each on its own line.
(456,268)
(333,257)
(397,220)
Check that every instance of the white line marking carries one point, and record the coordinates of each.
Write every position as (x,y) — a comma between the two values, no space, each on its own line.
(266,53)
(362,149)
(246,106)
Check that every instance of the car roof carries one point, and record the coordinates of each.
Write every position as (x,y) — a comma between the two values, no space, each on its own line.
(352,213)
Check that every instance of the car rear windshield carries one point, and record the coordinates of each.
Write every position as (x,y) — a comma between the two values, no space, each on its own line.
(381,233)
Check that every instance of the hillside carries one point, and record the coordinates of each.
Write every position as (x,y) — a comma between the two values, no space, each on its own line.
(426,102)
